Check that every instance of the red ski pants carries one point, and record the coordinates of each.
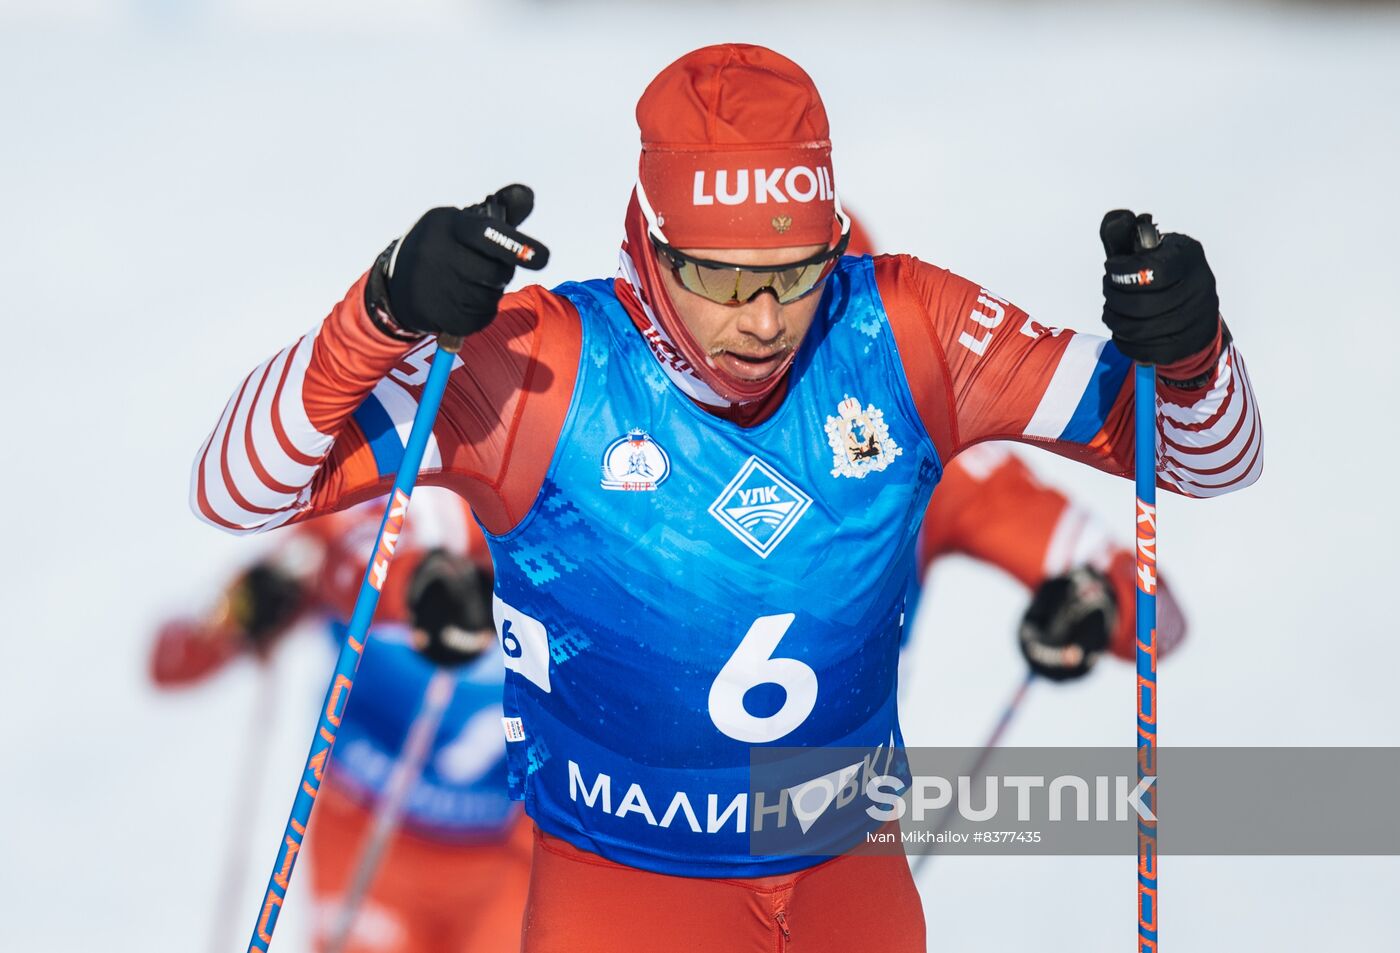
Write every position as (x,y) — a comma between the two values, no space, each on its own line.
(582,903)
(429,896)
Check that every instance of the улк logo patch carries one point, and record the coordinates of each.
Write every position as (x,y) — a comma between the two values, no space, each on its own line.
(860,440)
(760,506)
(635,462)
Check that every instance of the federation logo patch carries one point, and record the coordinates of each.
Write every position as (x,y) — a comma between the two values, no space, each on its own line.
(760,506)
(635,462)
(860,440)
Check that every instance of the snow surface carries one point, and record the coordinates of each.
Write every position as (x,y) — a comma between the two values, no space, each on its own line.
(187,185)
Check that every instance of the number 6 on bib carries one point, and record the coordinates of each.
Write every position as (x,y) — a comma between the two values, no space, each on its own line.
(751,665)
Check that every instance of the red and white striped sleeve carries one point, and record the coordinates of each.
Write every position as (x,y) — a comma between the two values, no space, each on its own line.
(322,425)
(981,369)
(1210,440)
(266,459)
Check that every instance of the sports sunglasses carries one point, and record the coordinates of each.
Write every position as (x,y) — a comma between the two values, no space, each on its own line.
(734,285)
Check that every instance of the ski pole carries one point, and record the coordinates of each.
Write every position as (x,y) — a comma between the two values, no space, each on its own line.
(251,775)
(407,770)
(343,679)
(1145,473)
(975,772)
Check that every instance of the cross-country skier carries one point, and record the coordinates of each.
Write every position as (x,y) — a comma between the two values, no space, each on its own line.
(749,591)
(454,875)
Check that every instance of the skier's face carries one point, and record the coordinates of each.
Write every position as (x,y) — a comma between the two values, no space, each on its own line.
(749,340)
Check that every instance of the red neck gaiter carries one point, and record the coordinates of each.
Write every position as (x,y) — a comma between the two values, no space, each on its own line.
(648,304)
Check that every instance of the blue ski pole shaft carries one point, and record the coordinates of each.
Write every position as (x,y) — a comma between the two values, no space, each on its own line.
(338,692)
(1145,462)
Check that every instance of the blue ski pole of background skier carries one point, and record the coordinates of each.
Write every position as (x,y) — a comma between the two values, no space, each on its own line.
(390,529)
(1145,473)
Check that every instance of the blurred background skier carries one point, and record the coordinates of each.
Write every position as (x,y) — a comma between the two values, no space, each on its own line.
(454,870)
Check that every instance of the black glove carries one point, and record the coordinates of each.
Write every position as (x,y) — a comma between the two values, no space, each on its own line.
(1159,295)
(447,275)
(1068,624)
(449,607)
(262,603)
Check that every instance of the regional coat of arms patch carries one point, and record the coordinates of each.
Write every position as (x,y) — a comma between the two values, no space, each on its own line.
(860,440)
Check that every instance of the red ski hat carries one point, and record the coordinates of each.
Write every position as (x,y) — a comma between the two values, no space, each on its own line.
(736,152)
